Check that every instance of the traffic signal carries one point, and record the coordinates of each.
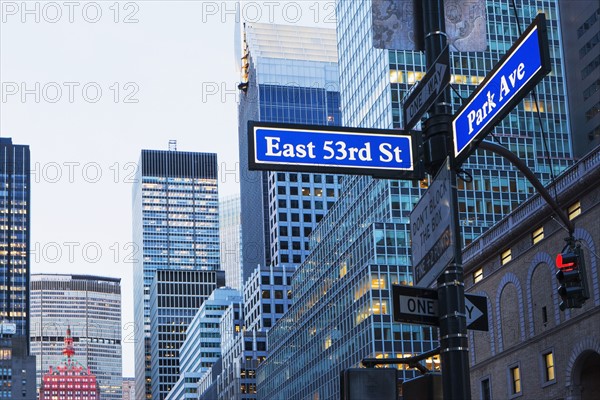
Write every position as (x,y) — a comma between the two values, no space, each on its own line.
(571,277)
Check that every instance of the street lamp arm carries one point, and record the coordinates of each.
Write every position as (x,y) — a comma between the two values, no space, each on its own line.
(516,161)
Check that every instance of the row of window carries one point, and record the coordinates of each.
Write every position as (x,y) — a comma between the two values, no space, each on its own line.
(515,386)
(537,235)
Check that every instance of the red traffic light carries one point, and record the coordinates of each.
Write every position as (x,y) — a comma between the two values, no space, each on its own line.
(566,261)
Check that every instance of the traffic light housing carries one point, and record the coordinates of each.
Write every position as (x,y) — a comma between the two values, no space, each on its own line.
(571,277)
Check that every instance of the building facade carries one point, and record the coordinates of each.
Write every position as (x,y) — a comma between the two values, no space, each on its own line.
(176,227)
(342,299)
(202,345)
(128,388)
(175,297)
(292,77)
(91,305)
(230,231)
(15,218)
(533,349)
(18,367)
(69,379)
(234,376)
(580,23)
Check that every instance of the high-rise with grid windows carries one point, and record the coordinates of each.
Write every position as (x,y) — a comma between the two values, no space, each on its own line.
(15,193)
(292,78)
(91,307)
(342,308)
(175,228)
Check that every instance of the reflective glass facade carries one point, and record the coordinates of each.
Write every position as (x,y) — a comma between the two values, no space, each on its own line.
(91,306)
(580,23)
(342,296)
(15,217)
(175,227)
(230,231)
(293,78)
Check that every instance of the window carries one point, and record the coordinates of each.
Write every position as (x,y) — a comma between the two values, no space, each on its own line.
(574,210)
(515,380)
(478,275)
(486,392)
(379,307)
(544,315)
(549,367)
(537,235)
(378,283)
(506,256)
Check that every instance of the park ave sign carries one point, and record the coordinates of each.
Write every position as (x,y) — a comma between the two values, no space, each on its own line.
(523,67)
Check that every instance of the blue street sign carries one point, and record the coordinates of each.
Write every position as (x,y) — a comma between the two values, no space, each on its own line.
(305,148)
(523,66)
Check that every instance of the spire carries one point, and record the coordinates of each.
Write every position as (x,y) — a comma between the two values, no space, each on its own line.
(69,350)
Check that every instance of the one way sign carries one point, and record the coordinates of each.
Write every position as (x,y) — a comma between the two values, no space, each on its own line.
(427,90)
(415,305)
(476,310)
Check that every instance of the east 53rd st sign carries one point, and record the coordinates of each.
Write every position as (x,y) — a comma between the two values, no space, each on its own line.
(523,66)
(324,149)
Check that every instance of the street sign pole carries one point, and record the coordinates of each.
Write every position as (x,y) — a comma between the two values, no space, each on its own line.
(437,146)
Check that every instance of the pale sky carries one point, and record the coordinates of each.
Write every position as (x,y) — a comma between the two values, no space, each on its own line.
(87,85)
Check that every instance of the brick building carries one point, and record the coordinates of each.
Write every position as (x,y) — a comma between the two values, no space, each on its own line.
(533,350)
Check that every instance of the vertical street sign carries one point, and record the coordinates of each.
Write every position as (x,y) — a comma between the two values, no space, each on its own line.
(523,67)
(427,90)
(430,229)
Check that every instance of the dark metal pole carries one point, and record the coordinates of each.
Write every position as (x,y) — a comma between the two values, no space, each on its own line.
(451,295)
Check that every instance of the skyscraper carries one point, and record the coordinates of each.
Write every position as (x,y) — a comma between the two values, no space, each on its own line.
(18,367)
(176,227)
(292,77)
(202,345)
(230,231)
(91,306)
(580,28)
(175,297)
(342,308)
(15,219)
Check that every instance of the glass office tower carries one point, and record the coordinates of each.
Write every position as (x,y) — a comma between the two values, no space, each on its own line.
(15,217)
(91,307)
(342,308)
(230,231)
(175,227)
(292,77)
(580,26)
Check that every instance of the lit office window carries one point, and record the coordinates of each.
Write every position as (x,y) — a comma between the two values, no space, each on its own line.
(506,256)
(538,234)
(380,307)
(574,210)
(515,377)
(549,366)
(377,283)
(478,275)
